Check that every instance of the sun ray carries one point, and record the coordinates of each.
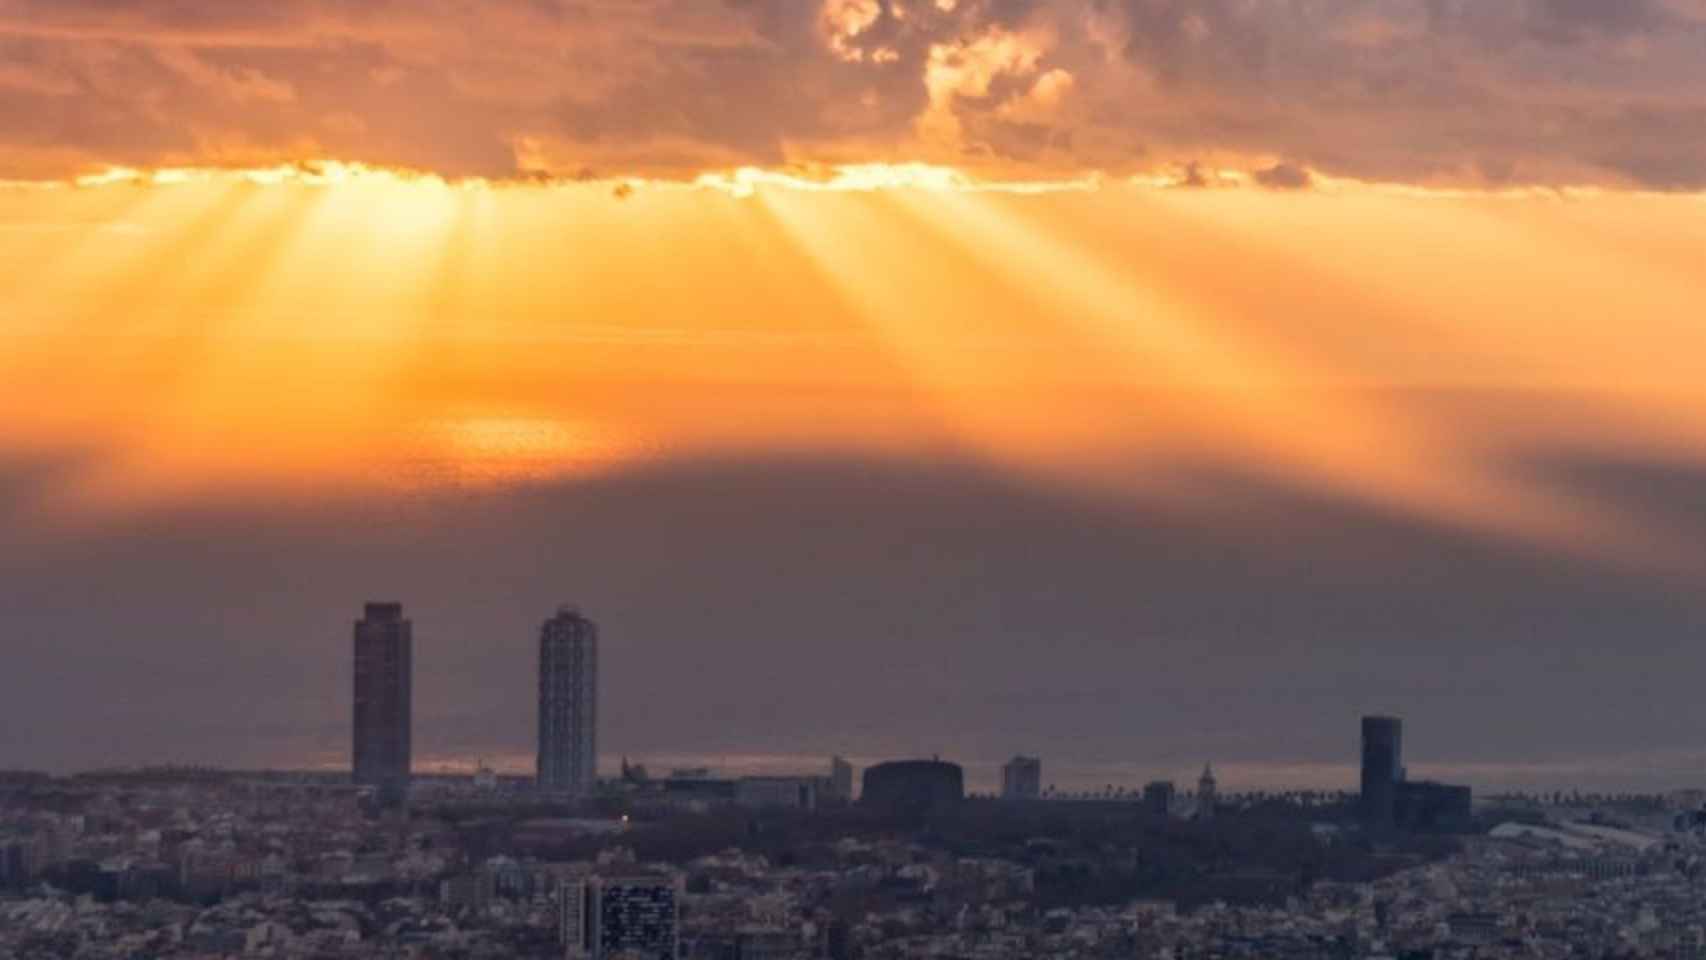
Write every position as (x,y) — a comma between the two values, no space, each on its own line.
(975,359)
(101,281)
(1270,403)
(49,233)
(194,425)
(1461,298)
(1083,334)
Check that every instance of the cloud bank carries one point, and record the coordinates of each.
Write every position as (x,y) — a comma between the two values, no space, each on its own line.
(1477,92)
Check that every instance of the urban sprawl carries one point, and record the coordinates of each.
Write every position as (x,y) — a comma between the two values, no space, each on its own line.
(381,862)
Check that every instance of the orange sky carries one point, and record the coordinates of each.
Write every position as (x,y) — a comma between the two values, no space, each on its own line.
(192,333)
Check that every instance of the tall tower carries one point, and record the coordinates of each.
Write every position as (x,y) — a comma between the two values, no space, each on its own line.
(1022,778)
(840,780)
(1382,769)
(1158,798)
(384,707)
(1208,793)
(568,704)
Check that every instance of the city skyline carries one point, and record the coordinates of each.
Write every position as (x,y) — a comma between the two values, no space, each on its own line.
(566,759)
(384,621)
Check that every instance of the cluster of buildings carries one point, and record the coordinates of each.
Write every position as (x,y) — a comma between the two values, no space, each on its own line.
(177,864)
(698,789)
(1571,889)
(277,866)
(567,746)
(1390,800)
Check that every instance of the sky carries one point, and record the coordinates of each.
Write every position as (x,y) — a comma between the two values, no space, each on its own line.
(1136,384)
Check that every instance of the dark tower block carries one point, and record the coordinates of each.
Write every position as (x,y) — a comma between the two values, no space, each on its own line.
(568,704)
(1382,769)
(384,680)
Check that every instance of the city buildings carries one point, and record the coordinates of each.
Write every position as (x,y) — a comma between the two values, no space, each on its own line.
(568,704)
(633,918)
(778,793)
(384,680)
(1390,800)
(1208,793)
(1382,769)
(1022,778)
(192,864)
(697,788)
(1425,805)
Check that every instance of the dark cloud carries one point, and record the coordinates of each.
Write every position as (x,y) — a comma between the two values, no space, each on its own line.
(1188,42)
(1578,20)
(1283,176)
(1407,90)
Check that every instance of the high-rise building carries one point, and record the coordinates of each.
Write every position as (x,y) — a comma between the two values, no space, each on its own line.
(568,704)
(384,680)
(1208,793)
(602,918)
(1158,798)
(1382,769)
(571,917)
(1022,779)
(840,780)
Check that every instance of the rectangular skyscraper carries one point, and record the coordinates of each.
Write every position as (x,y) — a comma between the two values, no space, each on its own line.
(840,780)
(384,680)
(568,704)
(572,918)
(1022,779)
(1158,798)
(1382,769)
